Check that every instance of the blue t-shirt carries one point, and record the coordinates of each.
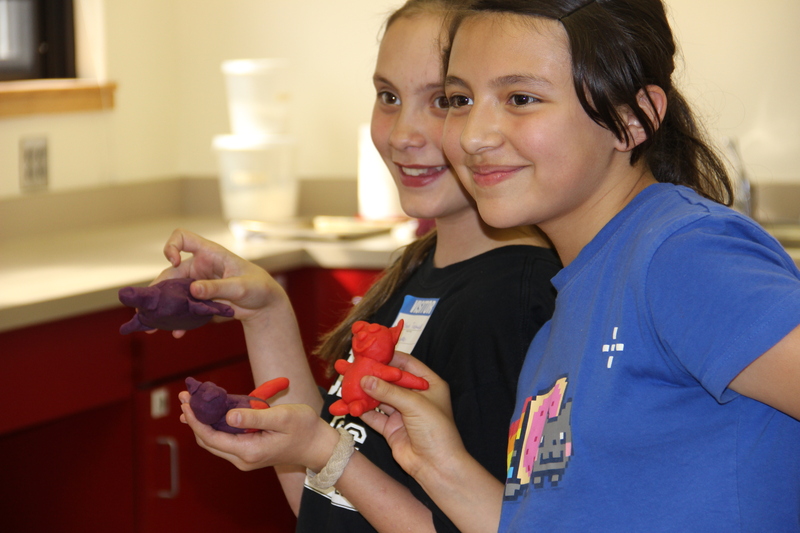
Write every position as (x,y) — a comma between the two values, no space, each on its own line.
(623,420)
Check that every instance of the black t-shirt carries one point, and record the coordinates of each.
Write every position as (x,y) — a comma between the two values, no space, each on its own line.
(487,311)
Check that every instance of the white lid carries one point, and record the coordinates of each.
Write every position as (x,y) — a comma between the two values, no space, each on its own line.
(250,142)
(251,66)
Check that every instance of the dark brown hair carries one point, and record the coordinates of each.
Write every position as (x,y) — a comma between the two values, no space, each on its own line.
(618,48)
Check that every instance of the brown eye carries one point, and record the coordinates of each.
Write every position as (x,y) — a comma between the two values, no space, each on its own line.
(522,99)
(388,98)
(458,100)
(441,102)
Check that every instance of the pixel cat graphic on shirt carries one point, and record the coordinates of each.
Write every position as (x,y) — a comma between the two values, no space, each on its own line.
(539,441)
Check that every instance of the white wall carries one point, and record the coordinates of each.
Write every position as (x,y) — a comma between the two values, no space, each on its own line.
(742,68)
(741,57)
(332,47)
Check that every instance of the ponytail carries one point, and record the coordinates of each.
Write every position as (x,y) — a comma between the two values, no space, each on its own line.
(680,154)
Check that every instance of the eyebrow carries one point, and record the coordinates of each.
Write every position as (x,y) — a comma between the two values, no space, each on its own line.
(454,81)
(511,79)
(433,86)
(380,79)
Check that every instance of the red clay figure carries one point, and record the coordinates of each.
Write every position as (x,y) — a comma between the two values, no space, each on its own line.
(373,348)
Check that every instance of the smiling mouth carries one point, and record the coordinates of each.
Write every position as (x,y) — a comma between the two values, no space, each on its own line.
(488,176)
(421,172)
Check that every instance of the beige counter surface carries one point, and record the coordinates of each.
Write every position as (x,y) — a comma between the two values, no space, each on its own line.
(59,275)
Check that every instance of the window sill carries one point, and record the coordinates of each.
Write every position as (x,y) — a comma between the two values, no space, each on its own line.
(35,97)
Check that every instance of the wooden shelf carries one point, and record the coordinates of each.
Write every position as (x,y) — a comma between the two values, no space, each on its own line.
(34,97)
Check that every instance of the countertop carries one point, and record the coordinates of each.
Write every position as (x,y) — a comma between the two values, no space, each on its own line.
(65,274)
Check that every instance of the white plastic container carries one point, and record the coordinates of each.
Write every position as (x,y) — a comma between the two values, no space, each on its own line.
(378,198)
(256,177)
(258,95)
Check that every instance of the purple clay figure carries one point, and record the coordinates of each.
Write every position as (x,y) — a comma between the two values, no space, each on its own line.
(169,306)
(210,402)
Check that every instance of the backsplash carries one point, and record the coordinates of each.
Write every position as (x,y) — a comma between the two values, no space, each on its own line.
(776,203)
(40,213)
(33,214)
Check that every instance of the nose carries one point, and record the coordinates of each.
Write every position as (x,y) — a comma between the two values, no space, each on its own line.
(407,131)
(482,129)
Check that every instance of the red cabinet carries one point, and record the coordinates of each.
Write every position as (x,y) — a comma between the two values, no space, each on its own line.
(321,298)
(61,368)
(66,438)
(185,488)
(74,474)
(90,438)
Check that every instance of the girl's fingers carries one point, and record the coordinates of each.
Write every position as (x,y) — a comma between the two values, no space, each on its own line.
(176,243)
(231,289)
(376,420)
(398,398)
(250,419)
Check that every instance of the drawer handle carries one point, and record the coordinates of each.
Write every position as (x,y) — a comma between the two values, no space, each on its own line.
(174,486)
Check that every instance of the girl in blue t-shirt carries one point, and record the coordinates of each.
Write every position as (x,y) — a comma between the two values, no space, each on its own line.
(662,395)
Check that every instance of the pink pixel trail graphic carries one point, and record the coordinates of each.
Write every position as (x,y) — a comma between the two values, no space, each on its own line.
(540,441)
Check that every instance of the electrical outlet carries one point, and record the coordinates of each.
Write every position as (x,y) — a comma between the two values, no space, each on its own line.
(33,164)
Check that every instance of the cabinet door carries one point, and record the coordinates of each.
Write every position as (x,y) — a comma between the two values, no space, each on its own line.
(72,475)
(182,487)
(64,367)
(66,439)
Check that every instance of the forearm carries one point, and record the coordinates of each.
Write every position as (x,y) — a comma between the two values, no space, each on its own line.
(465,491)
(388,505)
(292,479)
(425,442)
(275,349)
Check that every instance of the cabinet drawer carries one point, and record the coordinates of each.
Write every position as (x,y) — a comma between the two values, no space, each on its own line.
(56,369)
(160,356)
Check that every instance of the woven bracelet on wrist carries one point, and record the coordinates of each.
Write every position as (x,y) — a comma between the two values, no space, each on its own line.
(330,474)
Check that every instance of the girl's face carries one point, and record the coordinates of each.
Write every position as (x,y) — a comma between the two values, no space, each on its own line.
(408,118)
(516,133)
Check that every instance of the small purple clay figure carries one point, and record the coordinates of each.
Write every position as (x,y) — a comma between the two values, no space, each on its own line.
(169,306)
(210,402)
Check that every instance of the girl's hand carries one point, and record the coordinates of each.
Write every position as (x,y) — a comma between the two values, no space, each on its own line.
(418,426)
(292,434)
(438,391)
(220,274)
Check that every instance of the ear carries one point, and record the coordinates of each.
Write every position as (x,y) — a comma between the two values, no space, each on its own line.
(653,101)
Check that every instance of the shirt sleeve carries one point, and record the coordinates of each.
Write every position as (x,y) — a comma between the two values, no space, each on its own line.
(721,292)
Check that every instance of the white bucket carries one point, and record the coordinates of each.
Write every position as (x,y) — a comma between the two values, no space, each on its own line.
(258,95)
(256,177)
(378,198)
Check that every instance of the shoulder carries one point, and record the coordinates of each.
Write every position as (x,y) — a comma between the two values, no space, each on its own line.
(512,274)
(517,258)
(721,237)
(509,285)
(674,221)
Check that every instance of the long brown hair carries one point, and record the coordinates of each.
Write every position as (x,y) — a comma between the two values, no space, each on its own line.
(336,343)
